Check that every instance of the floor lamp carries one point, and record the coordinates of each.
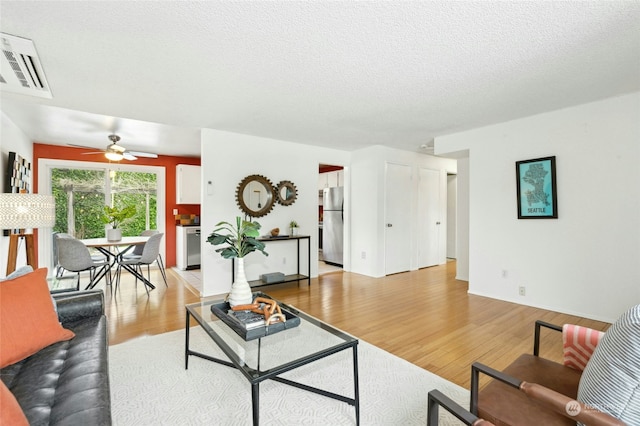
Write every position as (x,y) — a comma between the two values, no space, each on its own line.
(25,211)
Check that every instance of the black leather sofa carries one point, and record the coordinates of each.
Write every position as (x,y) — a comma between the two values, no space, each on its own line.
(67,383)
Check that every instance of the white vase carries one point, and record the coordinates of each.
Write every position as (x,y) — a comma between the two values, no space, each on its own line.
(294,232)
(114,234)
(240,290)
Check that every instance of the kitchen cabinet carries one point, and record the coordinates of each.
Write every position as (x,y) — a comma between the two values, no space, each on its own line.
(188,184)
(331,179)
(322,181)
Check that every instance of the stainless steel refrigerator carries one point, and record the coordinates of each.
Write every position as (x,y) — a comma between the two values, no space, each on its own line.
(332,225)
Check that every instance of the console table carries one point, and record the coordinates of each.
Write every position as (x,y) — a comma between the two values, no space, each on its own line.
(287,278)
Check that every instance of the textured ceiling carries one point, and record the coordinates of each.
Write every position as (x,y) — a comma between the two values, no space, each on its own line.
(340,74)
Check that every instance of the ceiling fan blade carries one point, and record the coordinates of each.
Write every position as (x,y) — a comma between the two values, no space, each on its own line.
(94,152)
(81,146)
(143,154)
(116,148)
(128,156)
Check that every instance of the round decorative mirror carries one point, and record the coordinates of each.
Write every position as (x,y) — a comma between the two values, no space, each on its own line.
(286,192)
(255,196)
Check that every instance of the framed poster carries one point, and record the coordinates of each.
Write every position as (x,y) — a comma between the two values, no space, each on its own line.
(537,194)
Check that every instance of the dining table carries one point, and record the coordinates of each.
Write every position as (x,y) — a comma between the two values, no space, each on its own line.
(106,247)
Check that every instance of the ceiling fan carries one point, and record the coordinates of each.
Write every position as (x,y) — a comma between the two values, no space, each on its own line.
(115,152)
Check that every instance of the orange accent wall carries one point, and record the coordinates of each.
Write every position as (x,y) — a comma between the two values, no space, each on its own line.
(167,161)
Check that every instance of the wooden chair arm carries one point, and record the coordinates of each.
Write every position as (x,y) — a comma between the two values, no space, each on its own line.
(437,399)
(548,398)
(568,407)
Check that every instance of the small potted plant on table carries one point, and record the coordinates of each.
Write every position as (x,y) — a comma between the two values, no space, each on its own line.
(293,225)
(115,217)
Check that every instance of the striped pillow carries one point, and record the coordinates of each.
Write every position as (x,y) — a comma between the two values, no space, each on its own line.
(611,380)
(579,343)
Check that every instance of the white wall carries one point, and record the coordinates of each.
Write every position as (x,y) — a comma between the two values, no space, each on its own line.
(452,196)
(368,204)
(367,211)
(462,217)
(227,158)
(12,139)
(584,262)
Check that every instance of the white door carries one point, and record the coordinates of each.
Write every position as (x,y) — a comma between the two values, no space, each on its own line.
(428,217)
(397,218)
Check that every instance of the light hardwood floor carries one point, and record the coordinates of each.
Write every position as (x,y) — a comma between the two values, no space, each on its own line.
(425,316)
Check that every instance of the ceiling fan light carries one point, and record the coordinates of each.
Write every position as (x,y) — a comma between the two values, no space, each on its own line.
(113,156)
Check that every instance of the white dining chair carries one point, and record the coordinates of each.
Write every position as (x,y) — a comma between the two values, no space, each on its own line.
(137,252)
(74,256)
(150,252)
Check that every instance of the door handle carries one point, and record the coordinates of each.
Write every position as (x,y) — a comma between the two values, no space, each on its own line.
(389,225)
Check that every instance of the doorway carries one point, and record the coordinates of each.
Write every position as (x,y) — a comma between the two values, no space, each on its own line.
(331,218)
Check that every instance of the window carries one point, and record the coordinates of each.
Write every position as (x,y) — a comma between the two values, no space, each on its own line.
(80,201)
(82,189)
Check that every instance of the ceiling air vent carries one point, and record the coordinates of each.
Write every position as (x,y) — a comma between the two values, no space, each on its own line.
(20,68)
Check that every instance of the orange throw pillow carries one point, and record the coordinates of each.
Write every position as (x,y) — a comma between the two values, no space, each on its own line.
(11,412)
(28,321)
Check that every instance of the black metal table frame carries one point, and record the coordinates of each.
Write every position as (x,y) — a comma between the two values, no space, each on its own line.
(289,278)
(113,258)
(255,376)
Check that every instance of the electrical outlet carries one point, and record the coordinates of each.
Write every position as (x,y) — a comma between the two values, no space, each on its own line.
(284,260)
(504,273)
(522,290)
(175,212)
(363,255)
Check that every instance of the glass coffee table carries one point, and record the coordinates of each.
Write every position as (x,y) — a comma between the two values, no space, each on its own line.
(266,358)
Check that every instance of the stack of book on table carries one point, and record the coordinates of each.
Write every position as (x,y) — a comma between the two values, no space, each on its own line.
(251,325)
(247,319)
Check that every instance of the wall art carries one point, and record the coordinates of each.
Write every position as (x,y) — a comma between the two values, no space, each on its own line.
(537,193)
(18,174)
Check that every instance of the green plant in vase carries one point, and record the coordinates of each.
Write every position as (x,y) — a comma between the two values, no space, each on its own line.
(293,225)
(115,217)
(239,241)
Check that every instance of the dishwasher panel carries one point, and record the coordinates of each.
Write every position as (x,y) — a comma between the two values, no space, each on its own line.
(193,248)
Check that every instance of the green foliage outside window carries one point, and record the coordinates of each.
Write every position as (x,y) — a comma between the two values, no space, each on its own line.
(85,191)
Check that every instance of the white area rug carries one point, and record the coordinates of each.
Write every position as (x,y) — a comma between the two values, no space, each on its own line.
(149,386)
